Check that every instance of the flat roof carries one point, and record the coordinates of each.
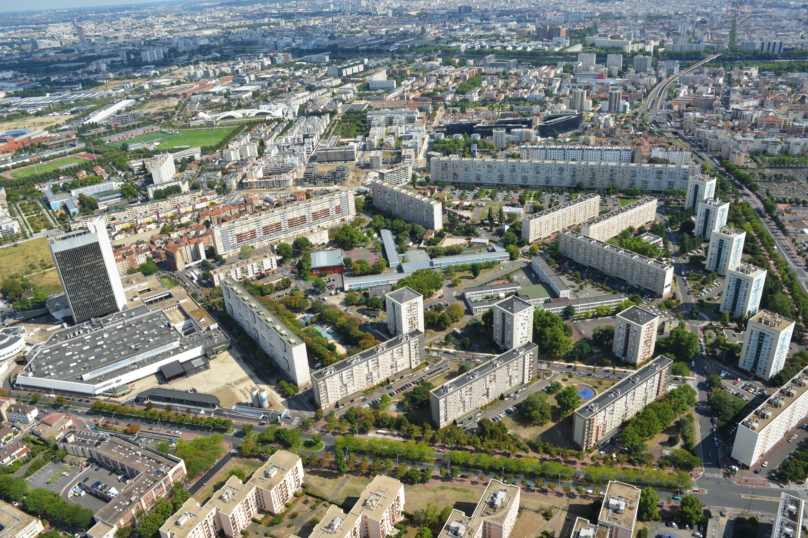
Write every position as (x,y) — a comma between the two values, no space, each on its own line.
(514,305)
(230,495)
(778,402)
(13,520)
(273,471)
(186,518)
(535,291)
(484,369)
(335,524)
(625,386)
(390,251)
(729,230)
(384,278)
(620,211)
(496,502)
(493,287)
(788,523)
(403,295)
(365,355)
(589,300)
(617,250)
(377,497)
(326,258)
(263,312)
(584,529)
(771,321)
(551,275)
(182,395)
(637,315)
(620,504)
(747,269)
(559,207)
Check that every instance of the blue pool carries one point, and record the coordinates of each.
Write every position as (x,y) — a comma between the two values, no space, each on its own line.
(327,333)
(586,393)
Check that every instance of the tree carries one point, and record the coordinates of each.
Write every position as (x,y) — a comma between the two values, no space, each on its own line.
(456,312)
(132,429)
(375,303)
(424,532)
(475,270)
(554,387)
(284,251)
(60,401)
(246,428)
(714,382)
(384,402)
(534,250)
(304,265)
(648,510)
(603,336)
(550,333)
(419,395)
(690,510)
(513,251)
(424,281)
(129,191)
(348,237)
(568,400)
(569,311)
(682,344)
(340,463)
(300,244)
(319,284)
(246,252)
(465,366)
(725,318)
(536,410)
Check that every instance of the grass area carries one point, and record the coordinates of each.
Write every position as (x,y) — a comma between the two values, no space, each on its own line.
(247,465)
(144,138)
(207,137)
(169,282)
(351,125)
(38,222)
(418,496)
(324,481)
(23,258)
(306,444)
(353,487)
(495,207)
(46,167)
(626,201)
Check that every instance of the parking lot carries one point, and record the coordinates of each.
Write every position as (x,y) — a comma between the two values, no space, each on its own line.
(90,476)
(658,528)
(784,452)
(50,477)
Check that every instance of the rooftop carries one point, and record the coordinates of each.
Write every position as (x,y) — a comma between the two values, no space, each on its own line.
(551,275)
(778,403)
(637,315)
(390,251)
(484,369)
(377,497)
(326,258)
(274,470)
(535,292)
(730,231)
(492,288)
(621,210)
(514,305)
(496,501)
(186,518)
(714,202)
(618,250)
(13,520)
(620,504)
(560,207)
(788,522)
(364,355)
(403,295)
(335,524)
(267,317)
(584,529)
(230,495)
(747,269)
(771,320)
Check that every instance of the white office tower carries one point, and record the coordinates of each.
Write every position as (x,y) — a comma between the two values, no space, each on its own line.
(161,168)
(635,335)
(765,344)
(405,311)
(513,323)
(712,215)
(726,247)
(614,60)
(87,269)
(615,97)
(743,290)
(699,188)
(578,98)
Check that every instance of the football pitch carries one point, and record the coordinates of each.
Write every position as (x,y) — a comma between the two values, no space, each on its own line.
(46,167)
(207,137)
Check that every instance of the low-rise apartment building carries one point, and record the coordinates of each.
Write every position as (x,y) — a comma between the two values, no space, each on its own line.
(407,205)
(598,419)
(465,394)
(237,269)
(633,268)
(17,524)
(549,277)
(493,517)
(555,219)
(609,225)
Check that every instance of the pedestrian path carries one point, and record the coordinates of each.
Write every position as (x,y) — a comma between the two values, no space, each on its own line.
(713,475)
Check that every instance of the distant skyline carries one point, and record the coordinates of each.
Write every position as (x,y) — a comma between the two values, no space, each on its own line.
(45,5)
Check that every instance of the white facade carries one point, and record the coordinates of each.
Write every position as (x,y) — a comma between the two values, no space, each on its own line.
(772,422)
(277,481)
(161,168)
(726,248)
(765,344)
(24,414)
(276,339)
(743,290)
(676,156)
(17,524)
(635,335)
(408,205)
(405,311)
(397,176)
(463,395)
(617,262)
(245,268)
(513,323)
(789,520)
(555,219)
(699,188)
(567,174)
(367,369)
(609,225)
(494,516)
(712,215)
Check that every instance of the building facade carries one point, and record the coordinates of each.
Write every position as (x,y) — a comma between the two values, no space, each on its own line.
(789,519)
(161,168)
(463,395)
(546,274)
(765,344)
(772,422)
(347,379)
(405,311)
(743,290)
(513,323)
(555,219)
(493,517)
(712,216)
(699,188)
(285,347)
(609,225)
(537,174)
(599,419)
(17,524)
(408,205)
(635,335)
(86,266)
(617,262)
(726,248)
(241,269)
(592,154)
(396,176)
(618,513)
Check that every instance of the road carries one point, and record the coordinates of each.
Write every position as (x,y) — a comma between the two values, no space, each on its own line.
(660,91)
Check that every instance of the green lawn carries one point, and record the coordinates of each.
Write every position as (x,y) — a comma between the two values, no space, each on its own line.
(145,138)
(626,201)
(46,167)
(207,137)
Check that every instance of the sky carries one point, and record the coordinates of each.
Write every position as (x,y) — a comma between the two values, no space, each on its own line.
(40,5)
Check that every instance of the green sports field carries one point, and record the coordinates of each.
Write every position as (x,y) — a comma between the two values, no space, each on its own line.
(46,167)
(207,137)
(145,138)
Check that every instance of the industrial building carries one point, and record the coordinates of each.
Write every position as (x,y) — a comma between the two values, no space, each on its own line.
(347,380)
(635,214)
(743,290)
(513,323)
(599,418)
(407,205)
(555,219)
(493,517)
(765,344)
(712,216)
(327,262)
(635,335)
(554,174)
(550,277)
(405,311)
(699,188)
(726,248)
(633,268)
(283,346)
(772,421)
(465,394)
(592,154)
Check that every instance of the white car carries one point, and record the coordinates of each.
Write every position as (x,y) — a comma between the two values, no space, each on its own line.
(765,464)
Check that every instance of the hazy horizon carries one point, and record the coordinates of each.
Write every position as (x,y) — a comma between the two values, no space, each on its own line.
(50,5)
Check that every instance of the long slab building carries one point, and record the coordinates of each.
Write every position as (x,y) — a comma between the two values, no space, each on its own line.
(408,205)
(283,346)
(555,219)
(561,174)
(635,214)
(633,268)
(599,418)
(346,380)
(309,218)
(465,394)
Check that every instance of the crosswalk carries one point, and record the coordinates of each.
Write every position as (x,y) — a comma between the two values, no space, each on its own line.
(712,475)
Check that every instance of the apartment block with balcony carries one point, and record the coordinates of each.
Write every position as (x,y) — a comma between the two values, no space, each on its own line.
(405,311)
(555,219)
(609,225)
(407,205)
(277,481)
(743,290)
(765,344)
(699,188)
(261,262)
(712,216)
(726,248)
(493,517)
(513,323)
(635,335)
(592,154)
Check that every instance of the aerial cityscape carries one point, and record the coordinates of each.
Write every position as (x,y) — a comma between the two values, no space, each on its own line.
(369,270)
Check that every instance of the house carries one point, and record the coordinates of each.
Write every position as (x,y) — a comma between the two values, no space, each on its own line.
(53,426)
(24,414)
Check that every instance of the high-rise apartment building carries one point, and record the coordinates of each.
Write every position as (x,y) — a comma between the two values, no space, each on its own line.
(592,154)
(789,519)
(642,64)
(555,219)
(773,421)
(743,290)
(618,514)
(615,98)
(346,380)
(587,60)
(631,267)
(86,265)
(463,395)
(599,418)
(635,335)
(513,323)
(493,517)
(285,347)
(671,67)
(699,188)
(614,60)
(712,215)
(765,344)
(161,168)
(578,98)
(408,205)
(726,247)
(405,311)
(396,176)
(609,225)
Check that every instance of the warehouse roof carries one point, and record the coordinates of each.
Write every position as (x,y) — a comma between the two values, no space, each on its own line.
(326,258)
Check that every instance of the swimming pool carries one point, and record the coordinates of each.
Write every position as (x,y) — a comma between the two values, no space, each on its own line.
(586,393)
(326,332)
